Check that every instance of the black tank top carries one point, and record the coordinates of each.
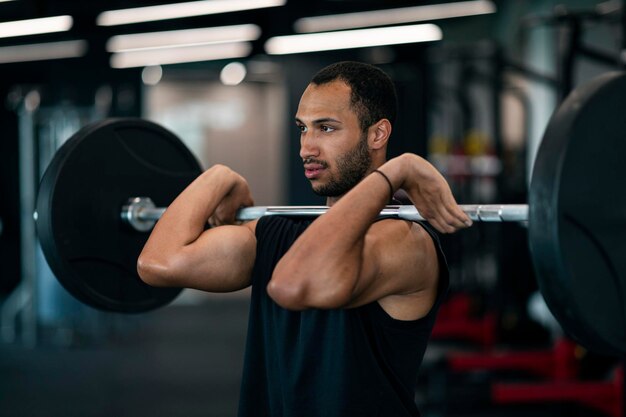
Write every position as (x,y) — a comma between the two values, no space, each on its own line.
(327,363)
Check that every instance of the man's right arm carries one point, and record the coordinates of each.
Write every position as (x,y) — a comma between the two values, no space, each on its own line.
(181,253)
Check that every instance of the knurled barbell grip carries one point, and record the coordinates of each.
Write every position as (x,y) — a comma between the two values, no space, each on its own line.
(482,212)
(476,212)
(141,213)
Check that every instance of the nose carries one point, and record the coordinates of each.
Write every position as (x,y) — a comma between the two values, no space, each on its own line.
(308,146)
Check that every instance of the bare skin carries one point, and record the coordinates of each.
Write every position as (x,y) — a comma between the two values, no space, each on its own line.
(344,259)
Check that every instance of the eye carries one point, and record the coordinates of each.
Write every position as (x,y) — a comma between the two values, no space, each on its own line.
(325,128)
(301,128)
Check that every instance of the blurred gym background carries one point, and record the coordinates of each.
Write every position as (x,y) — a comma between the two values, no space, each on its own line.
(475,92)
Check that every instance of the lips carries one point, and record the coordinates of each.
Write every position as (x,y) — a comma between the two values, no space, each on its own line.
(313,171)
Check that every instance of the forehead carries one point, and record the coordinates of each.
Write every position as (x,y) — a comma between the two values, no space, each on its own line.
(325,100)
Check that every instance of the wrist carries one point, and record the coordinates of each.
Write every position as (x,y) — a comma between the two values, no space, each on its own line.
(209,189)
(396,170)
(416,170)
(392,189)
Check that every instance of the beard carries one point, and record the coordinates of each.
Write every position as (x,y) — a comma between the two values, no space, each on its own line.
(351,169)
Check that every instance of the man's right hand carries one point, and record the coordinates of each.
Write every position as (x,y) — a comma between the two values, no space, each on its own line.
(239,196)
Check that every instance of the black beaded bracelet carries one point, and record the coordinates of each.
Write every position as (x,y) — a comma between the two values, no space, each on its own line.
(388,182)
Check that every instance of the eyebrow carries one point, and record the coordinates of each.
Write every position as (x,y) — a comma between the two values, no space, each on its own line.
(320,121)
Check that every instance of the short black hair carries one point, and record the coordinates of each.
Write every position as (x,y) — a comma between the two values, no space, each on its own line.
(373,94)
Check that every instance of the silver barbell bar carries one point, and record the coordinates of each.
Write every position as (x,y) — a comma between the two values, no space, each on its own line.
(141,213)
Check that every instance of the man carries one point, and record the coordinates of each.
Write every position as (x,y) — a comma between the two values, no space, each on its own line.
(342,305)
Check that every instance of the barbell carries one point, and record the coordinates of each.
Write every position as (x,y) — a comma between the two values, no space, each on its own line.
(107,185)
(142,214)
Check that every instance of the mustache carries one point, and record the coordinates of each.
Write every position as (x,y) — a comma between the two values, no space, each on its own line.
(324,164)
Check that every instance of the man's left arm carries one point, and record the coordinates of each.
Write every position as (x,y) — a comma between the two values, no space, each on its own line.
(345,258)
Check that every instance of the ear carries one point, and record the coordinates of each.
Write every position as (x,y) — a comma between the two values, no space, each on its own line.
(378,134)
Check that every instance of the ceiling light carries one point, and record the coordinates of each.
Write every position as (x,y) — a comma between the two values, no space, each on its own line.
(43,51)
(393,16)
(152,75)
(233,73)
(180,10)
(35,26)
(360,38)
(236,33)
(176,55)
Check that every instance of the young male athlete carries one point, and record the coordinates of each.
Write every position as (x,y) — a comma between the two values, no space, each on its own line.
(341,305)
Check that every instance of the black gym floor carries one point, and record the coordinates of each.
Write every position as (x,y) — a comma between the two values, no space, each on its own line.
(175,361)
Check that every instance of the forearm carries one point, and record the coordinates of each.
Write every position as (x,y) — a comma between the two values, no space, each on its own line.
(323,266)
(185,218)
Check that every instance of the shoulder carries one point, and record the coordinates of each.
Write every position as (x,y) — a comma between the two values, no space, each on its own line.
(404,241)
(407,255)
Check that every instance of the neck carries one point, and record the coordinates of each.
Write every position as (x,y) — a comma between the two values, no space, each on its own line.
(330,201)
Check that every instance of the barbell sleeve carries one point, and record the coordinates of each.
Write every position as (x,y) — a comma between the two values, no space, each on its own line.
(141,213)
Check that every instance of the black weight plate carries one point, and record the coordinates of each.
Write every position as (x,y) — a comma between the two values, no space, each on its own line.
(577,216)
(89,249)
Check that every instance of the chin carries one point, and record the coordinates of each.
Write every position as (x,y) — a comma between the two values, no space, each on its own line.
(318,191)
